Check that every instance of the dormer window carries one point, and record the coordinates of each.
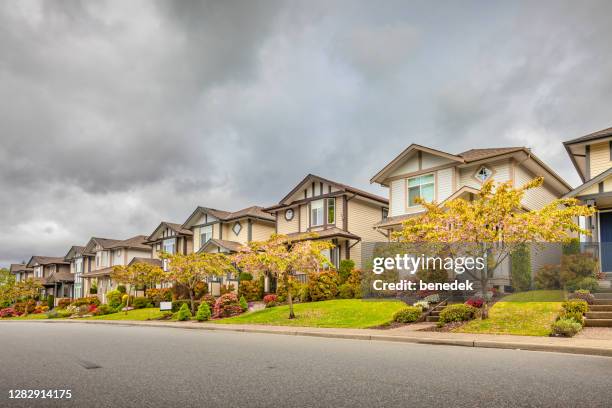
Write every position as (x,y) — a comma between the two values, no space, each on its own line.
(237,228)
(483,174)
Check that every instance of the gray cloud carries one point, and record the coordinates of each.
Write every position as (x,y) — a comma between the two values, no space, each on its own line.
(117,115)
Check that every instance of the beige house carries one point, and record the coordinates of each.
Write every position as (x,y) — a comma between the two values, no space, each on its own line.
(342,214)
(21,272)
(437,176)
(54,274)
(80,263)
(170,238)
(592,158)
(104,254)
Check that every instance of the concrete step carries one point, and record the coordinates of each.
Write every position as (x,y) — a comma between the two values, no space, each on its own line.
(435,313)
(599,315)
(598,322)
(433,318)
(600,308)
(603,302)
(602,295)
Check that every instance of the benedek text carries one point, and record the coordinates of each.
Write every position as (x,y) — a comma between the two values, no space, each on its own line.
(420,285)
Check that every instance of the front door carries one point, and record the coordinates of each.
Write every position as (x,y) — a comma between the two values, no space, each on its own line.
(605,233)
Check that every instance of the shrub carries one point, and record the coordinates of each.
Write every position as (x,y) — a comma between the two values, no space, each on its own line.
(243,304)
(203,312)
(584,295)
(159,295)
(323,285)
(90,300)
(577,266)
(566,328)
(281,289)
(355,282)
(571,247)
(547,277)
(576,305)
(24,307)
(201,289)
(270,300)
(93,290)
(114,298)
(184,313)
(422,304)
(64,303)
(121,289)
(456,313)
(9,312)
(346,268)
(245,276)
(141,303)
(250,289)
(225,289)
(408,314)
(227,305)
(587,283)
(103,310)
(435,298)
(177,304)
(56,314)
(210,300)
(520,261)
(345,291)
(92,308)
(576,316)
(304,293)
(475,302)
(50,301)
(432,275)
(40,309)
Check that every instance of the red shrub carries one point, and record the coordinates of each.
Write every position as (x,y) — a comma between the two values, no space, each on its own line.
(475,302)
(270,298)
(92,308)
(9,312)
(63,303)
(227,305)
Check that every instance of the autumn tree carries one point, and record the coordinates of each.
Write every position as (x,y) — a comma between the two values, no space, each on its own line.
(7,287)
(192,269)
(282,257)
(27,289)
(493,225)
(137,274)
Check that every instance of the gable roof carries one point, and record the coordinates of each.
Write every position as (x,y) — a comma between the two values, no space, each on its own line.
(16,268)
(595,180)
(249,212)
(339,186)
(231,246)
(105,243)
(150,261)
(177,228)
(137,242)
(45,260)
(600,134)
(481,154)
(74,251)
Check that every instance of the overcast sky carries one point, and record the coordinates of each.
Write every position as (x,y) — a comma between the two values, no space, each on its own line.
(117,115)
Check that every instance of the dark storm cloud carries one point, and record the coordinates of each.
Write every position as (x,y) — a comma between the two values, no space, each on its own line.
(117,115)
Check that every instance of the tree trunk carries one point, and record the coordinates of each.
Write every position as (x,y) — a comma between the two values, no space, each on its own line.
(484,282)
(289,298)
(191,296)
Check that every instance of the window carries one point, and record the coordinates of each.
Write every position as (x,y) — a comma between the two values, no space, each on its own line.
(316,213)
(205,234)
(385,213)
(289,214)
(78,265)
(483,174)
(420,187)
(169,245)
(331,210)
(237,228)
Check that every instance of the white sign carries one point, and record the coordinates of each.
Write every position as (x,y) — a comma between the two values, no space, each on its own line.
(165,306)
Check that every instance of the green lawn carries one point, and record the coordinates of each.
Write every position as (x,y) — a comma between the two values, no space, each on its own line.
(136,314)
(349,313)
(29,317)
(526,313)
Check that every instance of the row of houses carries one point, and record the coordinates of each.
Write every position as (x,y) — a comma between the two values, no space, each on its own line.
(345,215)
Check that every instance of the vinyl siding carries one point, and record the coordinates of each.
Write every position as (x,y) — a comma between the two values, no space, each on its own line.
(304,218)
(501,174)
(299,195)
(396,199)
(445,186)
(340,212)
(361,220)
(534,198)
(410,165)
(261,231)
(600,158)
(287,227)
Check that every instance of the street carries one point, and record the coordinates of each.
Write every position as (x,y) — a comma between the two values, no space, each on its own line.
(121,366)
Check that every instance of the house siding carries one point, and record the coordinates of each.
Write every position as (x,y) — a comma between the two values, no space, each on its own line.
(396,200)
(361,220)
(262,231)
(534,198)
(444,185)
(599,158)
(287,227)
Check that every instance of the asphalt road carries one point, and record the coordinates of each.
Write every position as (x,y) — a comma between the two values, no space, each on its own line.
(119,366)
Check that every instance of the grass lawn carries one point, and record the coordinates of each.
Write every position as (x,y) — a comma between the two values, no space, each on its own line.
(525,313)
(29,317)
(136,314)
(349,313)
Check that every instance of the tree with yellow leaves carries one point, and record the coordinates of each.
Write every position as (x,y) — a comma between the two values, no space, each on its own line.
(493,225)
(281,257)
(137,274)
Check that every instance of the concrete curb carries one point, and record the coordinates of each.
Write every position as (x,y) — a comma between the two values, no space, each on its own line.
(502,344)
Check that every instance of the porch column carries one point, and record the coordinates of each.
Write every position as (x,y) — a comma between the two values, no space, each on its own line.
(266,284)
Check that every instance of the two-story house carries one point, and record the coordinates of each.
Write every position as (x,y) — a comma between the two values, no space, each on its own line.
(225,231)
(80,263)
(334,211)
(54,274)
(592,158)
(171,238)
(104,254)
(21,272)
(437,176)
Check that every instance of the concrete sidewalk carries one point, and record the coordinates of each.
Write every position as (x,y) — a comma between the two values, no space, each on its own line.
(407,334)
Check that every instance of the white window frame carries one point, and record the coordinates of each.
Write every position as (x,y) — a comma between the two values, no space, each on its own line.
(331,201)
(420,186)
(206,232)
(317,213)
